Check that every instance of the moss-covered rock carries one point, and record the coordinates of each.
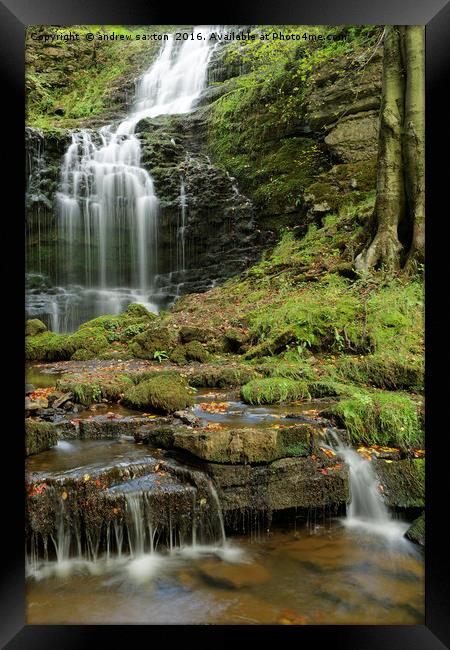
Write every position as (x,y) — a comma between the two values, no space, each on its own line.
(178,355)
(34,326)
(191,333)
(384,371)
(381,418)
(416,532)
(234,340)
(39,436)
(237,446)
(137,310)
(224,376)
(155,338)
(274,390)
(192,351)
(89,338)
(87,391)
(48,347)
(403,482)
(162,393)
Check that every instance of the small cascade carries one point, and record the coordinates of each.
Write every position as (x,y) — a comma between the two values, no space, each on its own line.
(156,513)
(367,509)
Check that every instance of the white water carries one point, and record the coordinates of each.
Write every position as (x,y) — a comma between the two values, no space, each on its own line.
(108,208)
(367,509)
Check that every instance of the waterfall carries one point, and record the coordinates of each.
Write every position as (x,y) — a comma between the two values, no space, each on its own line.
(181,240)
(107,207)
(367,509)
(155,515)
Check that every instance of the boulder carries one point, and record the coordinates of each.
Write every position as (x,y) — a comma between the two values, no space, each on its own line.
(163,393)
(39,436)
(34,326)
(403,482)
(355,137)
(416,532)
(240,446)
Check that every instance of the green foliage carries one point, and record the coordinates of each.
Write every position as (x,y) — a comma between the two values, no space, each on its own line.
(162,393)
(381,418)
(160,355)
(71,81)
(274,390)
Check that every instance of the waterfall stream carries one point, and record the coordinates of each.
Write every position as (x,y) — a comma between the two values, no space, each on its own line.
(107,206)
(367,509)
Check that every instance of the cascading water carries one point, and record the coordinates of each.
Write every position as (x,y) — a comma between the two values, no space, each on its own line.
(367,509)
(107,205)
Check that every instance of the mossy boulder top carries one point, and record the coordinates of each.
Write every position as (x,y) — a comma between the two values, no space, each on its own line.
(34,326)
(162,393)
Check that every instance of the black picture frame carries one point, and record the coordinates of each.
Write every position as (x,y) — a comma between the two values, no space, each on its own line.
(15,16)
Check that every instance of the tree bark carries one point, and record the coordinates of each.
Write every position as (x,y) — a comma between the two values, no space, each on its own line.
(385,248)
(414,137)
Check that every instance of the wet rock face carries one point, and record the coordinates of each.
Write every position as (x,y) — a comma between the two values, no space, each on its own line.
(281,485)
(220,236)
(344,105)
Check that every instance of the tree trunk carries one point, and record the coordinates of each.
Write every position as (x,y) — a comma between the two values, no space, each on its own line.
(385,248)
(414,137)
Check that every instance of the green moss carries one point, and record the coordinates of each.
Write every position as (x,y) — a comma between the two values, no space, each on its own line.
(145,344)
(68,82)
(178,355)
(403,482)
(330,388)
(195,351)
(190,333)
(221,376)
(137,310)
(87,392)
(381,418)
(39,436)
(48,347)
(90,338)
(383,371)
(34,326)
(274,390)
(161,393)
(416,532)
